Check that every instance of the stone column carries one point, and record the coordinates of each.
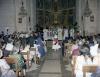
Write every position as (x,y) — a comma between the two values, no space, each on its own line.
(79,14)
(33,15)
(98,16)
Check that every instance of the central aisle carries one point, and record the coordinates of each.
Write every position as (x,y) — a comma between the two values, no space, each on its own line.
(52,65)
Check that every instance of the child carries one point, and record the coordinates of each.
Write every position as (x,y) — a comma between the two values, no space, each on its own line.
(56,45)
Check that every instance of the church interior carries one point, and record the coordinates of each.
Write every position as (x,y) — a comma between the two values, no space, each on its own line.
(49,38)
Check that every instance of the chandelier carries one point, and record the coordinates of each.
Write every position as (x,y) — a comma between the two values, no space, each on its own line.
(22,12)
(87,10)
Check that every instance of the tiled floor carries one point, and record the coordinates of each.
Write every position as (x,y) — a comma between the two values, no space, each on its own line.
(52,65)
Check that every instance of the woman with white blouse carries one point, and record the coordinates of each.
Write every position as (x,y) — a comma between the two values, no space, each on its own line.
(83,59)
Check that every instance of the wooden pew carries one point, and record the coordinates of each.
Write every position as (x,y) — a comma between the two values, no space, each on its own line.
(89,68)
(26,54)
(35,56)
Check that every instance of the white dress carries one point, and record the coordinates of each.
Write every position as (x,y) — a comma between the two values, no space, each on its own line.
(56,46)
(93,50)
(96,60)
(80,62)
(9,47)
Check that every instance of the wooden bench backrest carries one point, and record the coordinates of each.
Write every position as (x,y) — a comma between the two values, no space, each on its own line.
(90,69)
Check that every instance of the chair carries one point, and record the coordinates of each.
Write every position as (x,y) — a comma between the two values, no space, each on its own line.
(89,68)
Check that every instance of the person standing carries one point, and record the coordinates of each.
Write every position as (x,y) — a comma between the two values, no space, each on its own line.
(55,45)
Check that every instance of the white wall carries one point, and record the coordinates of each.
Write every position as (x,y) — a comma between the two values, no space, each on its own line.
(7,15)
(30,6)
(9,10)
(90,27)
(33,14)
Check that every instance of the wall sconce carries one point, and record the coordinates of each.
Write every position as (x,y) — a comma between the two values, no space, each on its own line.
(22,12)
(92,18)
(19,20)
(87,10)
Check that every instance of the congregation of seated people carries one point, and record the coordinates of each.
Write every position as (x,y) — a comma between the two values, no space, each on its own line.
(13,45)
(84,51)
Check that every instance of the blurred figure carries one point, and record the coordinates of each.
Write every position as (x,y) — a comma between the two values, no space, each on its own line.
(55,44)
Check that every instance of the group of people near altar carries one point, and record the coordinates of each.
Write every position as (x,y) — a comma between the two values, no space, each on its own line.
(14,44)
(84,51)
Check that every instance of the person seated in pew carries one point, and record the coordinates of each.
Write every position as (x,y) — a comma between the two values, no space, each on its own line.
(21,60)
(83,59)
(96,61)
(26,49)
(31,39)
(85,48)
(35,53)
(94,49)
(13,52)
(68,46)
(7,49)
(26,54)
(5,70)
(74,52)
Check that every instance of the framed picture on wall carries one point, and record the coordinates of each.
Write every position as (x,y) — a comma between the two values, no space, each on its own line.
(19,20)
(92,18)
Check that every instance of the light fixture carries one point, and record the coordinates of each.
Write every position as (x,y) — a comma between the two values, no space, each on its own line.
(87,10)
(22,12)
